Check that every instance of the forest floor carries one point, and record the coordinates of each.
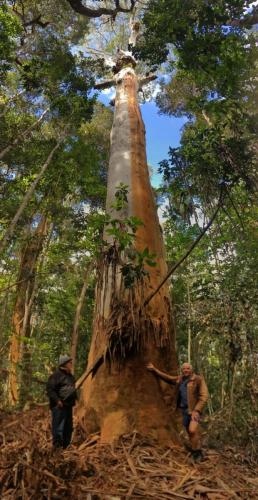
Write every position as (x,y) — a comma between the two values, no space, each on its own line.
(133,468)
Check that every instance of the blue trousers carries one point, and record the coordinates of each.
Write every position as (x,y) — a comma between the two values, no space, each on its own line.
(62,426)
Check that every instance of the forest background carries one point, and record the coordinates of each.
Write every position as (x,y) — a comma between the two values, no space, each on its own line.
(54,154)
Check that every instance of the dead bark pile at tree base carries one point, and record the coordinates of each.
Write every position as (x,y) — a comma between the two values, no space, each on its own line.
(133,468)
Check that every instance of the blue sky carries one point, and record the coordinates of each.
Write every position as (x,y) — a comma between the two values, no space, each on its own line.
(161,132)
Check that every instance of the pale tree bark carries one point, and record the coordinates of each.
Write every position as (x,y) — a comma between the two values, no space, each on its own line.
(22,135)
(77,317)
(123,395)
(22,307)
(10,230)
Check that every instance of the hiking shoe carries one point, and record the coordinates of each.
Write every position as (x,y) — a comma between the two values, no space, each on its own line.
(197,456)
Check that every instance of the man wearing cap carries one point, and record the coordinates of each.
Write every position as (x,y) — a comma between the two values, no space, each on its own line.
(192,394)
(62,397)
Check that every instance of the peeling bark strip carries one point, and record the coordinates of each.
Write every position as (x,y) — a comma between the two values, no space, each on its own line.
(122,395)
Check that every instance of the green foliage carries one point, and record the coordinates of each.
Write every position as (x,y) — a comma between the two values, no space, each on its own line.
(122,230)
(214,292)
(135,270)
(45,73)
(212,84)
(214,302)
(121,200)
(10,29)
(203,33)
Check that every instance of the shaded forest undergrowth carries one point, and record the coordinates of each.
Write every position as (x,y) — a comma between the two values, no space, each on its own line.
(135,467)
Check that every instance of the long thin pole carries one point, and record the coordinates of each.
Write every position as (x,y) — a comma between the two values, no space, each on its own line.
(180,261)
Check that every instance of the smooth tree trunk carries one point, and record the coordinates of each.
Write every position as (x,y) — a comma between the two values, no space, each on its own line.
(22,307)
(78,311)
(122,395)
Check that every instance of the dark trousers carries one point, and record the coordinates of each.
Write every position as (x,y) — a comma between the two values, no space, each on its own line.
(62,426)
(186,418)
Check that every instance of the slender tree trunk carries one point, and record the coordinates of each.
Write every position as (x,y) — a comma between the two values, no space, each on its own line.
(10,230)
(22,135)
(22,307)
(77,316)
(189,346)
(4,310)
(231,395)
(123,395)
(223,392)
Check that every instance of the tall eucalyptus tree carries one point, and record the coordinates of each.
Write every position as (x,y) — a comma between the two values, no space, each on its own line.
(126,333)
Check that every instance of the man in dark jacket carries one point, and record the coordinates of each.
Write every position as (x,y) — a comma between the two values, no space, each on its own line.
(192,395)
(62,397)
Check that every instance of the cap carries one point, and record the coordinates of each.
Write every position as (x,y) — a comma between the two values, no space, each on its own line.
(63,359)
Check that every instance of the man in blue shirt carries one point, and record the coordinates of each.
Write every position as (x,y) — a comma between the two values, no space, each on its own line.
(191,398)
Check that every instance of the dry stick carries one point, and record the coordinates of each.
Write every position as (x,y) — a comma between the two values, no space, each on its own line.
(9,232)
(94,367)
(180,261)
(22,135)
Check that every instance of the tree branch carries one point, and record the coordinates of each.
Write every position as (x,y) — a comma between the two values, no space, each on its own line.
(146,79)
(37,20)
(32,22)
(104,85)
(180,261)
(247,21)
(78,7)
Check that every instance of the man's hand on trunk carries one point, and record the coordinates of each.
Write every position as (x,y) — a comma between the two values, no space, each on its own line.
(150,367)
